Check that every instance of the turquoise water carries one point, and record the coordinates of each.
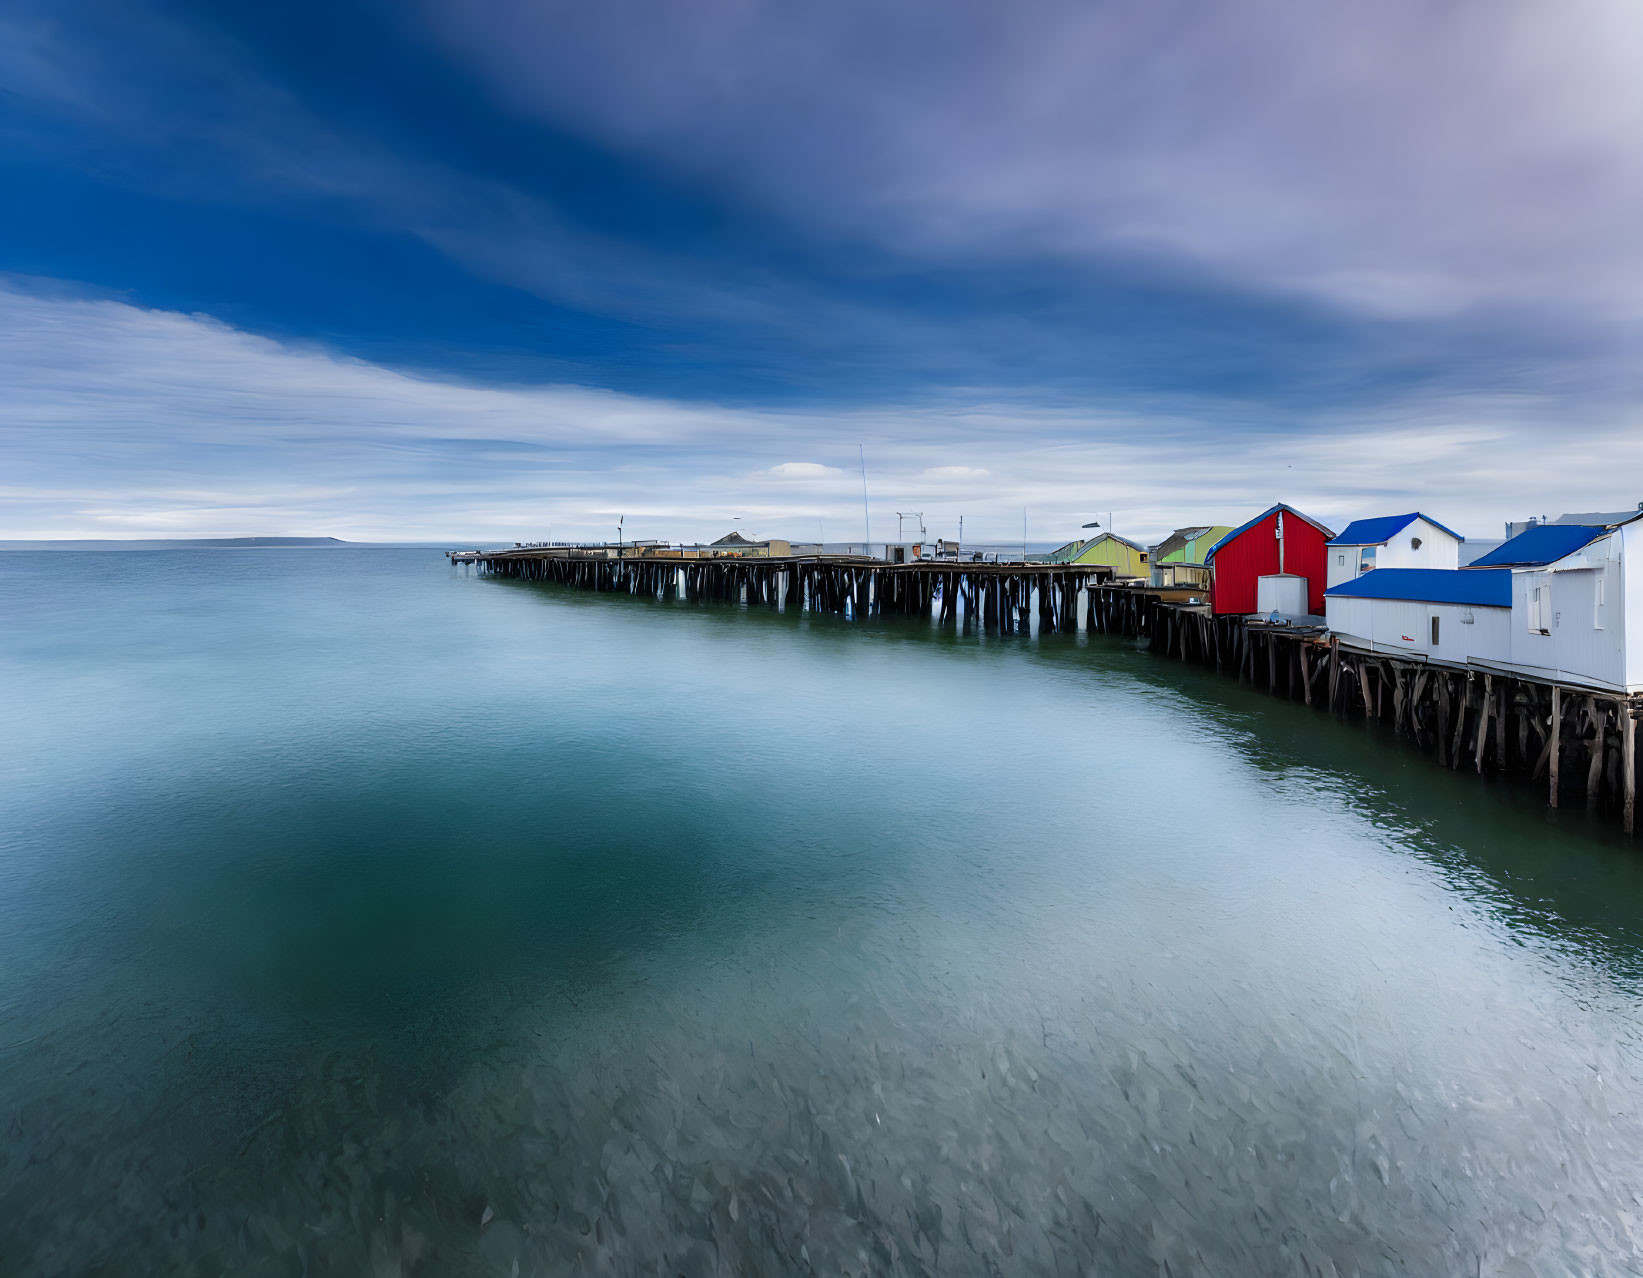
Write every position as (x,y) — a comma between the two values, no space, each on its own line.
(360,916)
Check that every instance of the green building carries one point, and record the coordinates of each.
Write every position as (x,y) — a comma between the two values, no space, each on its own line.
(1178,560)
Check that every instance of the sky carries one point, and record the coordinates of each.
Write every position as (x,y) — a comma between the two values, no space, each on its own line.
(497,270)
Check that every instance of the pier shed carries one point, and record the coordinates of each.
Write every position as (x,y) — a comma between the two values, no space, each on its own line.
(1392,541)
(1178,560)
(1577,616)
(1434,614)
(735,543)
(1280,542)
(1125,557)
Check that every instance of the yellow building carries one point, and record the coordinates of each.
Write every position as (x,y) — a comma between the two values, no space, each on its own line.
(1122,555)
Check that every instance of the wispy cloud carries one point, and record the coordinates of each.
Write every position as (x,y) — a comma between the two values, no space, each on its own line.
(805,471)
(125,421)
(1403,160)
(751,199)
(1407,158)
(564,262)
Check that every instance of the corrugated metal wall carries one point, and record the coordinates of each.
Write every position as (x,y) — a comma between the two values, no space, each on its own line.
(1255,554)
(1629,606)
(1405,626)
(1578,649)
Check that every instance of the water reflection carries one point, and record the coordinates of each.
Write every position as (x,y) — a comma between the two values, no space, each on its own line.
(536,929)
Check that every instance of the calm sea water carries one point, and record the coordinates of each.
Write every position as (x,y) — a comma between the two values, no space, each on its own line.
(361,917)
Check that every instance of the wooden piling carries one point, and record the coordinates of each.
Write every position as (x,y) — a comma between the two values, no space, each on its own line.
(1555,742)
(1597,720)
(1628,766)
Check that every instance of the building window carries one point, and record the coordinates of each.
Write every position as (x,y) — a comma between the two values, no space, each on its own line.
(1340,561)
(1366,559)
(1597,601)
(1540,620)
(1414,543)
(1434,630)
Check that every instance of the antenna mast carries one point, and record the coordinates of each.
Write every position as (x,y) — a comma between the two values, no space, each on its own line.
(866,523)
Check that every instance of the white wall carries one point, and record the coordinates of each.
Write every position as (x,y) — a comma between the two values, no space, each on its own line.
(1466,632)
(1438,549)
(1586,643)
(1282,593)
(1628,605)
(1342,565)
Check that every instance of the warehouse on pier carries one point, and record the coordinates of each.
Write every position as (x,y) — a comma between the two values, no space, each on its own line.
(1274,563)
(1392,541)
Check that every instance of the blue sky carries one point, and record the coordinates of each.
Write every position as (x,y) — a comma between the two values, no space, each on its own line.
(494,268)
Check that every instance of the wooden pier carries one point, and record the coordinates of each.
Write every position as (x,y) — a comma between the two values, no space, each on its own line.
(1580,743)
(1000,598)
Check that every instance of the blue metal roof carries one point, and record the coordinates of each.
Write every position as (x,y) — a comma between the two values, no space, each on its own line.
(1377,532)
(1539,545)
(1243,528)
(1431,585)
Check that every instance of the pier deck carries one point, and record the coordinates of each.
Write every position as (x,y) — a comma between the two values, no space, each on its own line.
(1003,598)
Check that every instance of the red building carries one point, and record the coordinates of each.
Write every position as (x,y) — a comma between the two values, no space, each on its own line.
(1282,541)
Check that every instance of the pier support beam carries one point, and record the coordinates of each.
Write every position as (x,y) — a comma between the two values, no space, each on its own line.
(1598,721)
(1556,742)
(1628,766)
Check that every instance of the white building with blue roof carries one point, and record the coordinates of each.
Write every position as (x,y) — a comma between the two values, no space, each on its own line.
(1455,616)
(1577,604)
(1392,541)
(1559,603)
